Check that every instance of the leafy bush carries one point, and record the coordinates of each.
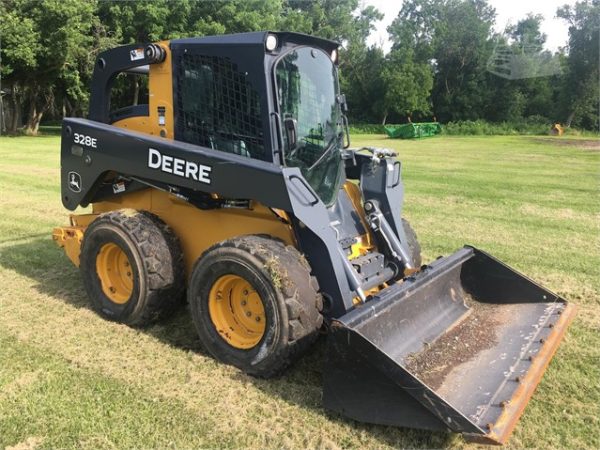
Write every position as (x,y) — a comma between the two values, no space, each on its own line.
(531,125)
(366,128)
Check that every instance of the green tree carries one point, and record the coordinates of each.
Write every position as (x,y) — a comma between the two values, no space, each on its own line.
(361,81)
(330,19)
(462,47)
(532,94)
(235,16)
(346,22)
(20,48)
(453,37)
(580,91)
(408,72)
(155,20)
(72,89)
(416,25)
(361,68)
(42,40)
(143,21)
(526,34)
(407,84)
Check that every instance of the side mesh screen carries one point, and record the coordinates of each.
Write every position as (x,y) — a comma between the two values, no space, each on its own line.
(217,106)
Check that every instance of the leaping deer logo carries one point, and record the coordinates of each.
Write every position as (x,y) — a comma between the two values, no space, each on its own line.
(74,182)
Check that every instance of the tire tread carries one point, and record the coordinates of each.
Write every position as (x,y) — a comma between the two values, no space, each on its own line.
(161,256)
(300,291)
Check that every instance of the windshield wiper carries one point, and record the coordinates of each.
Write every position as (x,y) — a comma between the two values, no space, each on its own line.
(328,150)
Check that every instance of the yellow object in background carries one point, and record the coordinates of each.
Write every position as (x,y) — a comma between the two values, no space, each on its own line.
(557,130)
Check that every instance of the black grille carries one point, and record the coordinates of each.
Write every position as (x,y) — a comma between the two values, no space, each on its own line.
(217,106)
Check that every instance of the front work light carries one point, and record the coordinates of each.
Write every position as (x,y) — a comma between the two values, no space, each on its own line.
(271,42)
(334,55)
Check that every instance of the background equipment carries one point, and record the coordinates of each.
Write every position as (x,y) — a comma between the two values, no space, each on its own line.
(413,130)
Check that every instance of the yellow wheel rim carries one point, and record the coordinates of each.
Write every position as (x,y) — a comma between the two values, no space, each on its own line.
(115,273)
(237,311)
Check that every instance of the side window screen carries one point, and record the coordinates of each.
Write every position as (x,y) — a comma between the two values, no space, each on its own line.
(217,106)
(129,96)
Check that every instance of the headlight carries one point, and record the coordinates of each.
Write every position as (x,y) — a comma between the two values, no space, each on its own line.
(334,55)
(271,42)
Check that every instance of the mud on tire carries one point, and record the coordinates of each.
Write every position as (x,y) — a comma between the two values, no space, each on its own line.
(290,296)
(413,243)
(154,256)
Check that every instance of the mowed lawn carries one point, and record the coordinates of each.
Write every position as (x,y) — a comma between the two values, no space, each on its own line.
(71,379)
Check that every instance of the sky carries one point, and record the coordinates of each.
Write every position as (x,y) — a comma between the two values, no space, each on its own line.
(507,11)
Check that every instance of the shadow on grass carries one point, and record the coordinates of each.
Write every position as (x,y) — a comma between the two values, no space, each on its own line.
(42,261)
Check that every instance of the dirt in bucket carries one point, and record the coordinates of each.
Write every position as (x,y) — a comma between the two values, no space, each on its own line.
(474,333)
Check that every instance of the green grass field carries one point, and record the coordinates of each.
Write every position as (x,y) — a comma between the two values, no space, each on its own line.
(70,379)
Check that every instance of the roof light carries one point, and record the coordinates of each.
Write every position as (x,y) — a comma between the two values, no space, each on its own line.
(271,42)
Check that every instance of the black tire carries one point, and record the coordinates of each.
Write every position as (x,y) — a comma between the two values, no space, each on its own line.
(155,258)
(413,243)
(280,275)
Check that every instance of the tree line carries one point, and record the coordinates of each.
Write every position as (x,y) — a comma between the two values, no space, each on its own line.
(446,61)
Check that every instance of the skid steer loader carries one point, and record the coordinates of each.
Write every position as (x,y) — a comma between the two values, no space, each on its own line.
(235,183)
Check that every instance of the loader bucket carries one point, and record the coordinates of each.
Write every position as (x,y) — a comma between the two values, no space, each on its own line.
(461,345)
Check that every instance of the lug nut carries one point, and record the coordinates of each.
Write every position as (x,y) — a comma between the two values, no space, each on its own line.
(243,302)
(248,314)
(258,319)
(245,292)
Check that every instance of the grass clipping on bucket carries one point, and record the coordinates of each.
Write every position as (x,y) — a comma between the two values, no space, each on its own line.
(475,332)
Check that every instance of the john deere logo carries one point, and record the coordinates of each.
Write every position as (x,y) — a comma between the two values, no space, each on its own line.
(74,181)
(178,166)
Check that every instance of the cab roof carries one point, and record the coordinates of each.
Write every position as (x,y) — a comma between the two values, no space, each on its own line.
(257,38)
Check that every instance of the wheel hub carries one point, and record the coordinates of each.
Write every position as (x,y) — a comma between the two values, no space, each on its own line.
(237,311)
(115,273)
